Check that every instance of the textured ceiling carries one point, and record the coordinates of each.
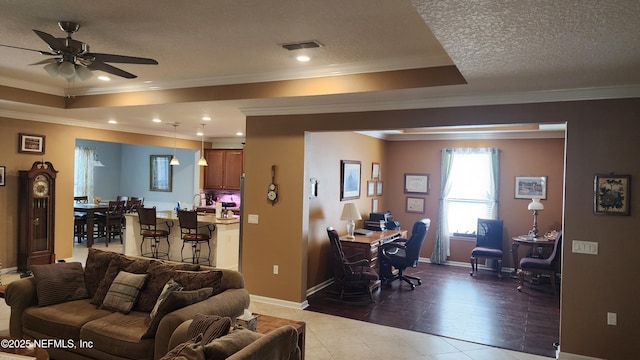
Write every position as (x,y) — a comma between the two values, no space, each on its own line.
(544,50)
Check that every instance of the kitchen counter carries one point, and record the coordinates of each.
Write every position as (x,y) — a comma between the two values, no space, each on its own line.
(225,240)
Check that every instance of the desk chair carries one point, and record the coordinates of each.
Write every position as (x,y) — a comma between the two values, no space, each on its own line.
(149,230)
(350,273)
(403,253)
(547,266)
(488,244)
(194,235)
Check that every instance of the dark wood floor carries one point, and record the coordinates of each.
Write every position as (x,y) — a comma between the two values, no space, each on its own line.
(481,309)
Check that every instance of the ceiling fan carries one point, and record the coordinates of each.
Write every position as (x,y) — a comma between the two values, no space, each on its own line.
(72,57)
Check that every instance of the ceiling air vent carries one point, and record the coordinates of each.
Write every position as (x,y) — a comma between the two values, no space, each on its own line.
(302,45)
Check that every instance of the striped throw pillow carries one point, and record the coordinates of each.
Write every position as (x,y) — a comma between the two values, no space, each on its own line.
(123,292)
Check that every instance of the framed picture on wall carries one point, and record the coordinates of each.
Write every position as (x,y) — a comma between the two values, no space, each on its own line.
(416,183)
(350,179)
(529,187)
(371,188)
(374,205)
(379,188)
(415,205)
(375,171)
(161,173)
(31,144)
(3,176)
(611,194)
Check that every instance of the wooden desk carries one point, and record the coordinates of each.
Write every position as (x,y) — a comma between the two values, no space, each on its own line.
(534,244)
(367,246)
(268,323)
(90,210)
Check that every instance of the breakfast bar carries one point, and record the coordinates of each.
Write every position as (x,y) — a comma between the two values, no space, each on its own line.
(225,239)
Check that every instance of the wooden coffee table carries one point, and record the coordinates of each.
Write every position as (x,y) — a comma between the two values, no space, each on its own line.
(268,323)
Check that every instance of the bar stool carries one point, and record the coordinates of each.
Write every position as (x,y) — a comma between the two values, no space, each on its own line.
(194,235)
(149,230)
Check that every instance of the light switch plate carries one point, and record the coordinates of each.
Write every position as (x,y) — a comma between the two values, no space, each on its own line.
(584,247)
(252,219)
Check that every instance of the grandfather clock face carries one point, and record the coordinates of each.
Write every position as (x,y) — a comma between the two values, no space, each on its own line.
(41,186)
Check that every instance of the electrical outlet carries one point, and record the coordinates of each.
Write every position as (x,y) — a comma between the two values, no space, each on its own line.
(252,219)
(276,269)
(612,319)
(584,247)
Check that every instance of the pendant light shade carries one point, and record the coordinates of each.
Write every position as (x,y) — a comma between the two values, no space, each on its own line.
(174,160)
(202,161)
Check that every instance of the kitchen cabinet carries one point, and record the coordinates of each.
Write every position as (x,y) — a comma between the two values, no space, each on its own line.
(224,170)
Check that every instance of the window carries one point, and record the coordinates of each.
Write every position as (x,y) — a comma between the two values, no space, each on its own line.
(472,189)
(83,176)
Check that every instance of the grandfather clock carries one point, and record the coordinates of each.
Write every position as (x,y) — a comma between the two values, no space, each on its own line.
(36,208)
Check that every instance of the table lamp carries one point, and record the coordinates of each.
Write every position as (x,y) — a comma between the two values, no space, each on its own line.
(536,206)
(350,213)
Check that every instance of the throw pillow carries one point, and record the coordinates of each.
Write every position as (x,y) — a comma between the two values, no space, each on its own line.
(230,344)
(95,267)
(174,301)
(124,291)
(210,327)
(193,280)
(168,287)
(159,274)
(117,264)
(56,283)
(188,350)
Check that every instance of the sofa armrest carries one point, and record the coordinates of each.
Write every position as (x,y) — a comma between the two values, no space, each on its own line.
(230,302)
(281,343)
(20,294)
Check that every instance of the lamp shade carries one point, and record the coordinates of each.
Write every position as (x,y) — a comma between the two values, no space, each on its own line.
(350,212)
(535,204)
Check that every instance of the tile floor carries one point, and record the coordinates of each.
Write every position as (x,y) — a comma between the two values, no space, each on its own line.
(336,338)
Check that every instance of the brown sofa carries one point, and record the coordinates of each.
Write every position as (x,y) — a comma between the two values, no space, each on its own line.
(74,308)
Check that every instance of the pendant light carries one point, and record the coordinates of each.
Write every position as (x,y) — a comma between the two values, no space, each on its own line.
(202,161)
(174,161)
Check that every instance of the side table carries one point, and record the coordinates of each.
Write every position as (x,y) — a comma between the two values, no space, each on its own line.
(268,323)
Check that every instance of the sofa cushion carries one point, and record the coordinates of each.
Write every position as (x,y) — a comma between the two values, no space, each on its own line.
(175,300)
(230,344)
(120,335)
(170,286)
(63,320)
(95,267)
(59,282)
(159,274)
(117,264)
(124,291)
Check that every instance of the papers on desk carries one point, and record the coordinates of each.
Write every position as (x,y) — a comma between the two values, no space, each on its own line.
(529,238)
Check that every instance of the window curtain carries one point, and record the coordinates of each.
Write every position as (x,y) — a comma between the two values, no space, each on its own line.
(442,248)
(83,177)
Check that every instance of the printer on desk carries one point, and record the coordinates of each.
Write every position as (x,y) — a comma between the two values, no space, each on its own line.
(381,221)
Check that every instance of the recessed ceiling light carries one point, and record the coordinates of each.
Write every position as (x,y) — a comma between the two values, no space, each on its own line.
(239,133)
(303,58)
(156,120)
(112,122)
(206,118)
(104,78)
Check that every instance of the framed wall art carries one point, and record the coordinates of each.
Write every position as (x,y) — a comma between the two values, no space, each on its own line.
(529,187)
(31,144)
(415,205)
(379,188)
(371,188)
(350,179)
(416,183)
(161,173)
(3,175)
(611,194)
(375,171)
(374,205)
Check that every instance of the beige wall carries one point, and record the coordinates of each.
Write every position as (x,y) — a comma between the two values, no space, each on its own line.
(600,139)
(59,150)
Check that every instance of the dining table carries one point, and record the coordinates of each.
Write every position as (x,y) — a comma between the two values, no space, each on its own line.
(90,210)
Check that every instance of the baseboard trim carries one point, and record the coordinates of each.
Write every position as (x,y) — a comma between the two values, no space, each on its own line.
(569,356)
(9,270)
(284,303)
(467,265)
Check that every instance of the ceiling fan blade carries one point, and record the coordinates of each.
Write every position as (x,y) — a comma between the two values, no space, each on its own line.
(96,65)
(21,48)
(120,59)
(46,61)
(54,43)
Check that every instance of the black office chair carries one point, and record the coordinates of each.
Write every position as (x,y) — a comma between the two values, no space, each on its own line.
(403,253)
(350,273)
(488,244)
(548,266)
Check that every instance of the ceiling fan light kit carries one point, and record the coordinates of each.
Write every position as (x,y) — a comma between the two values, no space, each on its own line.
(72,59)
